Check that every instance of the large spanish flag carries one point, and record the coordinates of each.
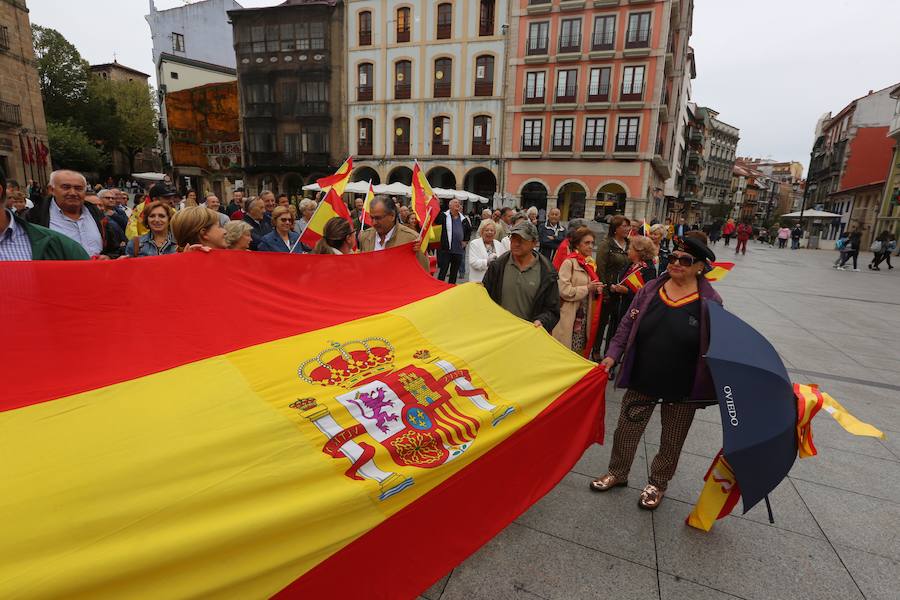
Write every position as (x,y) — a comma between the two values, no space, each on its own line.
(336,437)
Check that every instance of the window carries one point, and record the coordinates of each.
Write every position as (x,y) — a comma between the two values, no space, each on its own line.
(440,136)
(173,75)
(177,42)
(364,137)
(261,141)
(534,87)
(444,21)
(402,80)
(532,130)
(484,76)
(288,39)
(481,135)
(365,80)
(365,28)
(632,83)
(604,33)
(594,134)
(403,24)
(570,35)
(272,38)
(315,140)
(292,146)
(486,18)
(566,86)
(538,37)
(258,39)
(310,35)
(562,135)
(627,134)
(598,89)
(313,98)
(638,34)
(401,136)
(443,77)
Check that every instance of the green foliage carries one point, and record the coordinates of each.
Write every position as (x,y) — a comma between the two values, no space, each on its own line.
(62,72)
(71,148)
(132,125)
(722,210)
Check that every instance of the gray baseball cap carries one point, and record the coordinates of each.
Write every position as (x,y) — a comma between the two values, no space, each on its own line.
(525,230)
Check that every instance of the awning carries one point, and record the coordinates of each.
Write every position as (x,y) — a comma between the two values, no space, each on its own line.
(812,214)
(399,189)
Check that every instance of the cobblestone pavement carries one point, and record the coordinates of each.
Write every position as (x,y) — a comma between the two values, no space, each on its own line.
(837,517)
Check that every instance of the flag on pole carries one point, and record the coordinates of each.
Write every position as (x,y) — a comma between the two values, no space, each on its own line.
(719,496)
(366,218)
(331,206)
(719,271)
(426,206)
(343,417)
(809,400)
(634,282)
(25,159)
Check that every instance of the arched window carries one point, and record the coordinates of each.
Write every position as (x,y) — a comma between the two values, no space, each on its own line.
(365,80)
(443,77)
(440,136)
(481,135)
(401,136)
(403,24)
(486,18)
(444,21)
(402,80)
(365,28)
(484,76)
(364,137)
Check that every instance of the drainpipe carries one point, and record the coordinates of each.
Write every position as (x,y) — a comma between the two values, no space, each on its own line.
(501,180)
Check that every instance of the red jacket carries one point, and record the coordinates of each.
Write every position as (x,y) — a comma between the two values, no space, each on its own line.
(744,232)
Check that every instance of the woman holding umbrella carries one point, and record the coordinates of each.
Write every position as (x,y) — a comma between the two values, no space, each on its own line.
(660,342)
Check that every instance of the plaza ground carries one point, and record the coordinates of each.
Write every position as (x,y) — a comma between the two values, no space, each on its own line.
(837,516)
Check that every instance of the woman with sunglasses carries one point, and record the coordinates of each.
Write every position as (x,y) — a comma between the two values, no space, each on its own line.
(660,342)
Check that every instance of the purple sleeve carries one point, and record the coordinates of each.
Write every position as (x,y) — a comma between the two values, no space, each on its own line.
(620,340)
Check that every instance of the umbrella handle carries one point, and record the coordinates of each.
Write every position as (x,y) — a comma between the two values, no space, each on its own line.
(769,508)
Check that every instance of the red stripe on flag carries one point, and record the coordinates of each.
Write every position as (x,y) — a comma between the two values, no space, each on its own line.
(455,527)
(93,313)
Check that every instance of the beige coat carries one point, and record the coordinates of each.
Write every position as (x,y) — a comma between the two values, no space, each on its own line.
(573,289)
(403,235)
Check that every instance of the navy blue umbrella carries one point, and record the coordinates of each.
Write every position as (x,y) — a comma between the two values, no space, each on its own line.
(756,399)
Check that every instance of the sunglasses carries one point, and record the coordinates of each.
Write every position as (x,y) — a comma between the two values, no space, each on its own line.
(685,260)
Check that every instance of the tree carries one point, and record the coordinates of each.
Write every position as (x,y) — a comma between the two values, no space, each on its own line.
(63,74)
(721,210)
(71,148)
(134,111)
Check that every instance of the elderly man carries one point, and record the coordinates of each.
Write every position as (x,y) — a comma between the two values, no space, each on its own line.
(386,232)
(236,204)
(213,203)
(552,233)
(268,198)
(455,233)
(67,213)
(256,218)
(523,281)
(109,202)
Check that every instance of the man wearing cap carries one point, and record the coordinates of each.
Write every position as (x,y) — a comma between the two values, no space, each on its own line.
(661,342)
(523,281)
(160,191)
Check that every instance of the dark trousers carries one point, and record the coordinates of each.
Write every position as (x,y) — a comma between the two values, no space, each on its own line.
(741,247)
(676,422)
(795,243)
(782,242)
(727,238)
(854,254)
(881,257)
(609,322)
(448,260)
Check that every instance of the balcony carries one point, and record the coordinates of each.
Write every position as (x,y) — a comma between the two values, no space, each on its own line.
(894,130)
(637,43)
(302,109)
(533,96)
(485,27)
(627,147)
(442,89)
(402,91)
(484,88)
(438,148)
(561,146)
(536,47)
(364,148)
(480,148)
(365,38)
(531,146)
(598,94)
(10,113)
(570,44)
(364,93)
(444,31)
(259,109)
(603,41)
(696,137)
(567,95)
(403,35)
(401,148)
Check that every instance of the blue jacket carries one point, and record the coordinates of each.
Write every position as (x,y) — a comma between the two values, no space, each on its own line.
(145,246)
(272,242)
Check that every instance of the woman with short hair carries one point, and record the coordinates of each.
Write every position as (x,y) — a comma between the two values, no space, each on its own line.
(661,260)
(307,208)
(337,238)
(661,345)
(197,227)
(483,250)
(579,288)
(158,240)
(282,238)
(238,235)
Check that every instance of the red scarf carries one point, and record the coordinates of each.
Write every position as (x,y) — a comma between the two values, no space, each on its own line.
(597,301)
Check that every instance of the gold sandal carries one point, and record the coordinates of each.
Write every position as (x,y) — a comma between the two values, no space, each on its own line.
(651,497)
(607,482)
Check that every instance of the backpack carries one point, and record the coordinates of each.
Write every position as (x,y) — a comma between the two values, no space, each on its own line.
(840,244)
(876,246)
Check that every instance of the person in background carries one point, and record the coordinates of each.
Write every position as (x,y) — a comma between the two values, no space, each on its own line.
(851,250)
(197,227)
(532,213)
(238,235)
(841,246)
(504,224)
(661,346)
(236,204)
(283,238)
(337,238)
(190,199)
(307,209)
(743,233)
(728,231)
(213,203)
(17,203)
(552,233)
(455,234)
(796,235)
(681,228)
(255,217)
(403,212)
(564,248)
(282,200)
(661,258)
(881,249)
(159,239)
(670,234)
(890,246)
(268,198)
(784,234)
(387,232)
(612,260)
(412,221)
(483,250)
(523,281)
(579,286)
(641,252)
(110,203)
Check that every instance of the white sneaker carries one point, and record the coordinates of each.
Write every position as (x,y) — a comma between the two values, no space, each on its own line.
(856,270)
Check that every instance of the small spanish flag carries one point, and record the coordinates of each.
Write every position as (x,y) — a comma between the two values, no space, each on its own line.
(719,496)
(331,206)
(719,271)
(339,180)
(366,217)
(634,282)
(809,400)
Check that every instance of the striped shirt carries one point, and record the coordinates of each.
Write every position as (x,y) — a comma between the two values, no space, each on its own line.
(14,242)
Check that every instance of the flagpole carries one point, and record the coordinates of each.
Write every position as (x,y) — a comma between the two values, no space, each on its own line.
(318,206)
(362,218)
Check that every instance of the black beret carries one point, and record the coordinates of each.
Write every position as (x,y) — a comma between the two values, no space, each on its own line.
(695,248)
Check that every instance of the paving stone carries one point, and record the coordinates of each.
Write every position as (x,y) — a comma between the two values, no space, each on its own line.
(877,577)
(435,591)
(676,588)
(851,473)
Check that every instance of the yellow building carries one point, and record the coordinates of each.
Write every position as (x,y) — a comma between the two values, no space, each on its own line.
(889,215)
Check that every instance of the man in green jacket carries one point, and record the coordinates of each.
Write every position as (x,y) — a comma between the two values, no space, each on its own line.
(20,240)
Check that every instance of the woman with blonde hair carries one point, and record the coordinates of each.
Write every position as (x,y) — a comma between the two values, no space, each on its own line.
(282,238)
(238,235)
(197,227)
(661,260)
(337,238)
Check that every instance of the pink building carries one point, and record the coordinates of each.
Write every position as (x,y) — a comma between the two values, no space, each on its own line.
(595,86)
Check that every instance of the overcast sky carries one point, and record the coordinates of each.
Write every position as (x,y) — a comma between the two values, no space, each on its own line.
(770,67)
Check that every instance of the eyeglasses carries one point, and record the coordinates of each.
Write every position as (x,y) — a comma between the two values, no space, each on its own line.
(685,260)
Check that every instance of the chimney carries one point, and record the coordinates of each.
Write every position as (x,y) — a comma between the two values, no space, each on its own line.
(871,92)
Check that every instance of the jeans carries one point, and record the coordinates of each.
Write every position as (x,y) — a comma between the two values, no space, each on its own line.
(854,254)
(795,244)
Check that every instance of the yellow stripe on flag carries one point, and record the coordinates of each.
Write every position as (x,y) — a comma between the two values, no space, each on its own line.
(210,479)
(719,494)
(848,421)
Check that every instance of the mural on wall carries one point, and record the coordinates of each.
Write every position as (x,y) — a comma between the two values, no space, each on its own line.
(204,127)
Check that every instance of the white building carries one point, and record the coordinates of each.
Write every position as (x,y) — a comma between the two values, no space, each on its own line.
(426,81)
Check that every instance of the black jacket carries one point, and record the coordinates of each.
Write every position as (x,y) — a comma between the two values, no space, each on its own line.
(113,240)
(444,221)
(550,238)
(260,229)
(545,307)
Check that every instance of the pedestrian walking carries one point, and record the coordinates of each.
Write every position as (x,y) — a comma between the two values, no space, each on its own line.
(841,246)
(879,248)
(851,250)
(796,236)
(784,234)
(743,233)
(728,231)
